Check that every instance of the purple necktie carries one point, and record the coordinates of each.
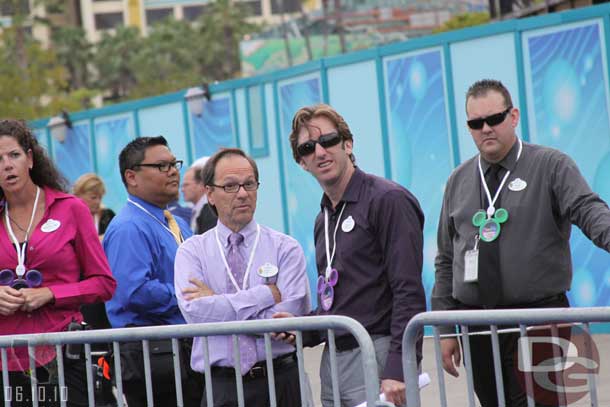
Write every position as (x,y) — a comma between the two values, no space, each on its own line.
(237,264)
(236,261)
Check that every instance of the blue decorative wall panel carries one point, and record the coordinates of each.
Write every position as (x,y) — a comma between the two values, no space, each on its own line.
(567,84)
(73,155)
(214,128)
(302,189)
(419,137)
(111,136)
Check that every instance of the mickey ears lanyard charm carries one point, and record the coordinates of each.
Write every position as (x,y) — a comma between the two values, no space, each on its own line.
(489,227)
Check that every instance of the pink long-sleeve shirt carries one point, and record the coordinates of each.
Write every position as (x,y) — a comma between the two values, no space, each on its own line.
(73,265)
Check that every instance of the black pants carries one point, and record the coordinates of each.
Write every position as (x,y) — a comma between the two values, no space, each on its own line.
(256,390)
(483,365)
(49,392)
(164,394)
(162,374)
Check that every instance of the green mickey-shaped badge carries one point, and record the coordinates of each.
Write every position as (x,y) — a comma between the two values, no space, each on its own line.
(489,228)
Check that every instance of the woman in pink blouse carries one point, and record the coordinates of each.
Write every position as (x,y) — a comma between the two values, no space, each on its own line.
(51,262)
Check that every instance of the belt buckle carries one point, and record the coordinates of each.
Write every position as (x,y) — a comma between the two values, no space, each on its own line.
(257,371)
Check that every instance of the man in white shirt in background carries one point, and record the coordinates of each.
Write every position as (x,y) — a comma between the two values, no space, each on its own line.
(203,217)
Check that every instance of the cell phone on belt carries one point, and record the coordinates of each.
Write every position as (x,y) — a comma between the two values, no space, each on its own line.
(74,350)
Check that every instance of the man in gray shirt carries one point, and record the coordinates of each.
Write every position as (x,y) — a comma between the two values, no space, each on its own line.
(504,230)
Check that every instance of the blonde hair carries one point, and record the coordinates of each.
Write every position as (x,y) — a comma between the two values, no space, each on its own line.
(89,182)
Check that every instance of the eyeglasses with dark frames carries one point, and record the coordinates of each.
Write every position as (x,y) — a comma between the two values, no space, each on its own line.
(162,167)
(325,140)
(233,187)
(491,120)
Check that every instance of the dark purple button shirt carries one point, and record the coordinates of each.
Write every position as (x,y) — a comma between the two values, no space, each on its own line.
(379,261)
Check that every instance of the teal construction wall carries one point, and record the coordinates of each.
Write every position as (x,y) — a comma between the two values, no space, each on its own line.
(405,105)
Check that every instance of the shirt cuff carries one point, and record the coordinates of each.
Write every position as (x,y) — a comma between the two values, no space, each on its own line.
(62,295)
(263,292)
(393,367)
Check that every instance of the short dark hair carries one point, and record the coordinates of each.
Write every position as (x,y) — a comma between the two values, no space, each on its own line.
(482,87)
(198,174)
(43,172)
(133,153)
(208,173)
(304,116)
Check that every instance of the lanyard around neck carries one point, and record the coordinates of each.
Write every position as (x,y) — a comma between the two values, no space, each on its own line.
(20,269)
(250,260)
(330,256)
(137,205)
(491,209)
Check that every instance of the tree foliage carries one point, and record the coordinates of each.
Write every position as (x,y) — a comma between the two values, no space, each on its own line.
(123,65)
(463,21)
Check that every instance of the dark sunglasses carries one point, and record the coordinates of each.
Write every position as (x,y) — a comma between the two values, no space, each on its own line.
(325,140)
(493,120)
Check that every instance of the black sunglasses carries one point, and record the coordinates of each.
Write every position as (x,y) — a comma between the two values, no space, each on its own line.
(325,140)
(492,120)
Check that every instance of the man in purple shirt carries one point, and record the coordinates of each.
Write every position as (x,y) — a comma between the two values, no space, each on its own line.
(369,242)
(240,271)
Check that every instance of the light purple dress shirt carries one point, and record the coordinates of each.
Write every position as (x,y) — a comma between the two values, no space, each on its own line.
(199,257)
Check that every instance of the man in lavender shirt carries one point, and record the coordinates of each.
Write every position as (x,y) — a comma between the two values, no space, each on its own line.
(219,276)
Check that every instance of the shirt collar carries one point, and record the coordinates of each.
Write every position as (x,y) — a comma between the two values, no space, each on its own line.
(153,209)
(200,203)
(352,191)
(248,231)
(508,162)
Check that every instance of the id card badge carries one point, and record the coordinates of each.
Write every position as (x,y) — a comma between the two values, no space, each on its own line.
(471,266)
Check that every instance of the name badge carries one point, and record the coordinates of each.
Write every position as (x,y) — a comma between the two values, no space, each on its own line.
(267,270)
(50,225)
(471,266)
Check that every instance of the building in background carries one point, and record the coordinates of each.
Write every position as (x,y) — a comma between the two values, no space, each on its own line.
(97,16)
(101,15)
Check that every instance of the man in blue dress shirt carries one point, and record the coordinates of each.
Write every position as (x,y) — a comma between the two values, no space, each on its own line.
(141,243)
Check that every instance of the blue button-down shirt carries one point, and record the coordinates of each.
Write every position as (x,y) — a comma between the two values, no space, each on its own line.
(141,254)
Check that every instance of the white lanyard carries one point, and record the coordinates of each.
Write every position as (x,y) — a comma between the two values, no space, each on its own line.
(20,269)
(491,209)
(250,260)
(137,205)
(330,256)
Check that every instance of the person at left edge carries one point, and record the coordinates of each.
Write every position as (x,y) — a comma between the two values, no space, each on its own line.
(141,243)
(50,232)
(239,271)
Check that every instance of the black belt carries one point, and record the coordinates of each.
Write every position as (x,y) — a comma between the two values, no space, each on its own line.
(259,369)
(345,343)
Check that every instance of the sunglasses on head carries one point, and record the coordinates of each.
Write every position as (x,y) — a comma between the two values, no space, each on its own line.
(492,120)
(325,140)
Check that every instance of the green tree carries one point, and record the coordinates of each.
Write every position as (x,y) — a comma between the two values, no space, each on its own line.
(219,31)
(464,20)
(114,61)
(74,52)
(36,89)
(166,61)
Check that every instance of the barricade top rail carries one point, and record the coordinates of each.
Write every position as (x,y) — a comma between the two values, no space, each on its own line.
(509,316)
(522,317)
(193,330)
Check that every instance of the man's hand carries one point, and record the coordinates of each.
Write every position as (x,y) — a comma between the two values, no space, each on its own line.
(35,298)
(394,391)
(10,300)
(277,295)
(450,351)
(200,290)
(286,337)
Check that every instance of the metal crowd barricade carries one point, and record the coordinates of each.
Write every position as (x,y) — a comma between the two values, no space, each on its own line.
(174,332)
(493,318)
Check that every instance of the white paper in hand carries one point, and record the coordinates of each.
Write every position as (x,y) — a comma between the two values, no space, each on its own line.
(423,381)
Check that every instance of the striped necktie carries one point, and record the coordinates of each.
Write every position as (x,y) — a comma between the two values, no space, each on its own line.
(173,226)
